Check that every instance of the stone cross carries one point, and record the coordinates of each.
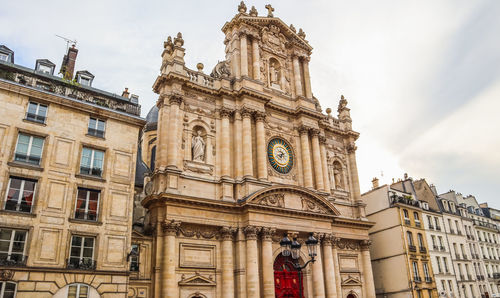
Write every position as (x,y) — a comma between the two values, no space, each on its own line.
(270,10)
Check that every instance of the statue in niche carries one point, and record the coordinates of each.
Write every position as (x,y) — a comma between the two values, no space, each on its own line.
(337,174)
(274,74)
(198,147)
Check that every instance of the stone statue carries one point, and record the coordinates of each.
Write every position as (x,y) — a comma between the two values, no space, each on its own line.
(221,70)
(198,147)
(274,74)
(337,174)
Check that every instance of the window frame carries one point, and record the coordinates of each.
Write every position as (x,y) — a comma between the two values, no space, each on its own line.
(92,159)
(87,203)
(81,247)
(416,273)
(95,129)
(3,284)
(37,110)
(21,191)
(82,78)
(14,231)
(30,146)
(134,258)
(78,288)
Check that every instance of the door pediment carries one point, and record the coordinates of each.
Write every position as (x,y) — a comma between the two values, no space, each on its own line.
(291,198)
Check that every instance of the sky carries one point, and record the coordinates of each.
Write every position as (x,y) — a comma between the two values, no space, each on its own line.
(422,78)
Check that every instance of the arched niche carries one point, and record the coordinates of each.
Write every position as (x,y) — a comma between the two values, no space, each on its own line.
(208,136)
(275,72)
(338,174)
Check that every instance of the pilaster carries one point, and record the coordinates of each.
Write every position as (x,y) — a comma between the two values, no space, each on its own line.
(306,156)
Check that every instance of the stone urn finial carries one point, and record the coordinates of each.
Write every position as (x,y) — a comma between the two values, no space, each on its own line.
(242,8)
(199,66)
(253,11)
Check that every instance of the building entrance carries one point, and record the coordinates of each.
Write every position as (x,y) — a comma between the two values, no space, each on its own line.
(287,279)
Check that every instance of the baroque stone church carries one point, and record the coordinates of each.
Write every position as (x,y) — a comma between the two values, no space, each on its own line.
(236,160)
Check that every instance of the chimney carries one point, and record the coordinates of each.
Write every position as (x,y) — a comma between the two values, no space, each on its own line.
(125,93)
(375,183)
(433,188)
(68,64)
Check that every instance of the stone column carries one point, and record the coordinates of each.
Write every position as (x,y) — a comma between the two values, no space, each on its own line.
(225,142)
(296,75)
(261,145)
(307,79)
(331,287)
(324,163)
(318,166)
(162,127)
(243,54)
(306,156)
(256,58)
(247,143)
(238,145)
(173,140)
(338,281)
(227,234)
(253,286)
(169,281)
(353,169)
(317,272)
(367,269)
(268,262)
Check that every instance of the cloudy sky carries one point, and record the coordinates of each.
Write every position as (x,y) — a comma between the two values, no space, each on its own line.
(422,77)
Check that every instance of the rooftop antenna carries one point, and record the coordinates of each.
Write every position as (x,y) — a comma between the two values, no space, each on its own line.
(67,40)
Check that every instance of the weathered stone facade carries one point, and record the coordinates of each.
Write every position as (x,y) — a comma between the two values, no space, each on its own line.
(41,259)
(220,197)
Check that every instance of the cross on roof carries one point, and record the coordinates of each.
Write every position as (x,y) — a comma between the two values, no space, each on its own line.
(270,10)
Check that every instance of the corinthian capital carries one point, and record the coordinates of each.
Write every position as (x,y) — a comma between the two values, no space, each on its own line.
(251,232)
(267,233)
(227,233)
(314,132)
(260,116)
(225,112)
(175,99)
(351,147)
(365,244)
(303,129)
(246,112)
(171,227)
(329,239)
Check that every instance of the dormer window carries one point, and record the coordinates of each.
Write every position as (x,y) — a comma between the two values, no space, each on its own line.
(4,57)
(45,66)
(6,54)
(84,78)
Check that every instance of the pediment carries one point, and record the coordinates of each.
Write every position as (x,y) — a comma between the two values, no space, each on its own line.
(196,280)
(351,281)
(291,198)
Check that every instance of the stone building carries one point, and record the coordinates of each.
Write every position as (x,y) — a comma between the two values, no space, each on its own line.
(400,252)
(67,161)
(240,158)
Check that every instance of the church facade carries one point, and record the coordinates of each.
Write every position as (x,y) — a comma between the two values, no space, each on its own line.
(240,158)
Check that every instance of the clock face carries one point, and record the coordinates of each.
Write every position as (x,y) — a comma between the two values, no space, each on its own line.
(280,155)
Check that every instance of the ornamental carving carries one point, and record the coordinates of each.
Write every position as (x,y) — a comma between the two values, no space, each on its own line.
(329,239)
(6,274)
(311,206)
(251,232)
(365,244)
(267,233)
(274,200)
(273,39)
(348,244)
(351,147)
(198,231)
(198,167)
(175,99)
(227,233)
(170,227)
(225,112)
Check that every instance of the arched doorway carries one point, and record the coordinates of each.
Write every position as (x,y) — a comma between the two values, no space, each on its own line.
(288,282)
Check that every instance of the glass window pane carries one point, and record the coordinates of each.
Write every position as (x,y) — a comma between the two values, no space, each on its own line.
(100,125)
(92,123)
(87,252)
(89,242)
(32,108)
(5,234)
(42,111)
(76,241)
(4,246)
(72,291)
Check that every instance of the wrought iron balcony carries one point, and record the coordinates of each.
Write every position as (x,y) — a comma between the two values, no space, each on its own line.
(14,260)
(418,224)
(35,118)
(431,227)
(417,279)
(31,159)
(96,132)
(412,248)
(438,228)
(81,264)
(423,249)
(428,279)
(91,171)
(407,222)
(496,275)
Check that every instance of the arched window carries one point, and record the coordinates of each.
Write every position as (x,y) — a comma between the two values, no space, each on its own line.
(7,289)
(78,291)
(410,238)
(420,240)
(153,158)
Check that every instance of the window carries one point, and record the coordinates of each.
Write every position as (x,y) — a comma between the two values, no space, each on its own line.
(29,149)
(78,291)
(415,271)
(4,57)
(438,260)
(45,68)
(445,262)
(7,289)
(416,218)
(429,221)
(153,158)
(87,204)
(12,243)
(450,286)
(82,252)
(36,112)
(97,127)
(405,214)
(92,161)
(134,258)
(20,194)
(410,238)
(84,81)
(420,240)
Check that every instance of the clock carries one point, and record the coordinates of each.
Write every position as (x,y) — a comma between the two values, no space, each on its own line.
(280,155)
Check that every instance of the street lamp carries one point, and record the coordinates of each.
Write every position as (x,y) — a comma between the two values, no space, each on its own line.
(292,248)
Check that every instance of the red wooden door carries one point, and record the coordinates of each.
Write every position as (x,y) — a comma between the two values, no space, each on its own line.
(287,282)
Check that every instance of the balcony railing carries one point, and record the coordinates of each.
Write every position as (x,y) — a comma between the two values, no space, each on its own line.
(35,118)
(442,248)
(81,264)
(91,171)
(435,247)
(418,224)
(423,249)
(412,248)
(407,222)
(417,279)
(496,275)
(431,227)
(438,228)
(14,260)
(31,159)
(96,132)
(14,205)
(428,279)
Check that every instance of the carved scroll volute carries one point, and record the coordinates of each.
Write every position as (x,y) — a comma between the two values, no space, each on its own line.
(267,233)
(171,227)
(365,244)
(251,232)
(227,233)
